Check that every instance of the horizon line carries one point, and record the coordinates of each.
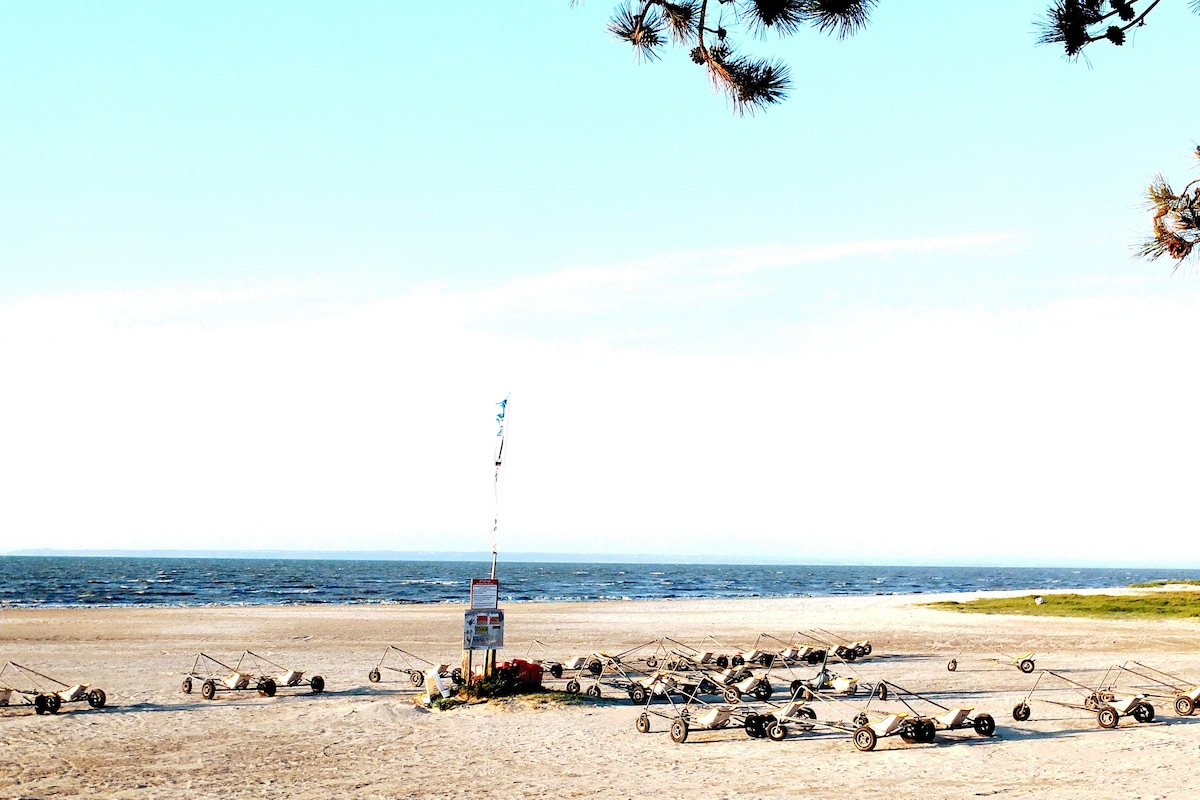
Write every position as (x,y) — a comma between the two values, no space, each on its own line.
(534,557)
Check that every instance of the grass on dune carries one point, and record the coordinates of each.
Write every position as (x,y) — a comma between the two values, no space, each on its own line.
(1156,584)
(1158,605)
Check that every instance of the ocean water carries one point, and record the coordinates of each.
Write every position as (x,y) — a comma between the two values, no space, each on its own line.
(71,581)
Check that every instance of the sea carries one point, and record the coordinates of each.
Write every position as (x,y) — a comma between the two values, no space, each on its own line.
(86,581)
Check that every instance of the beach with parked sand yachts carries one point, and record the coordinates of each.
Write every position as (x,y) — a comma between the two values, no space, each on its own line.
(362,737)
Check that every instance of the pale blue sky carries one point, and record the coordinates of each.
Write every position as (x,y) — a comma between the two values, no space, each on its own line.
(265,267)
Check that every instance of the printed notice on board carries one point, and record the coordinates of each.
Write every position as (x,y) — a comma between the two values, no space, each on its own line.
(483,630)
(485,593)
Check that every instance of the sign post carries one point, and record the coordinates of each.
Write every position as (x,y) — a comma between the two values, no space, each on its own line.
(483,625)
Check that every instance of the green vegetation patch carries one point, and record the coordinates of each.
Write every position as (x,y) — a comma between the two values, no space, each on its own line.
(1175,582)
(1156,605)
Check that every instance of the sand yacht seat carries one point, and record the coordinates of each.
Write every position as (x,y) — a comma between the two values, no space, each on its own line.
(236,681)
(290,678)
(1124,704)
(887,725)
(713,717)
(76,692)
(748,684)
(952,718)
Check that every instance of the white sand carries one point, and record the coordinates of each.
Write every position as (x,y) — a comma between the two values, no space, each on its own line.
(370,740)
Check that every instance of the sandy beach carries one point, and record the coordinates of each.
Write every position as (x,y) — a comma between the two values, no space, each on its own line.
(360,739)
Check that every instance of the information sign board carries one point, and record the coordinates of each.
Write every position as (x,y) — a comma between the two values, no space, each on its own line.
(483,629)
(485,593)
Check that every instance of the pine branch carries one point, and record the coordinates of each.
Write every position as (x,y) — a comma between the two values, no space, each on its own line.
(1077,23)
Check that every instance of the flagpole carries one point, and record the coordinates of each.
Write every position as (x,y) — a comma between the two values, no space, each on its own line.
(489,662)
(500,420)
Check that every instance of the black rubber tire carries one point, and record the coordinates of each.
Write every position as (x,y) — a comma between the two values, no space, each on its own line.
(39,704)
(861,719)
(864,739)
(1021,712)
(860,652)
(97,698)
(1026,665)
(594,690)
(867,649)
(595,667)
(755,725)
(763,690)
(638,694)
(737,661)
(186,685)
(732,695)
(722,661)
(416,676)
(795,686)
(984,725)
(53,703)
(1143,712)
(776,731)
(556,670)
(456,676)
(651,662)
(815,657)
(909,734)
(767,660)
(1184,706)
(317,684)
(952,664)
(208,690)
(572,686)
(928,731)
(881,691)
(679,731)
(373,676)
(642,723)
(1108,717)
(267,688)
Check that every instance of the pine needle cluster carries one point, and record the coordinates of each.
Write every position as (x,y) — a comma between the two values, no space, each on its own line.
(1176,221)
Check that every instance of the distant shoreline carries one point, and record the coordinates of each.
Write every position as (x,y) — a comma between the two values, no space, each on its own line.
(449,556)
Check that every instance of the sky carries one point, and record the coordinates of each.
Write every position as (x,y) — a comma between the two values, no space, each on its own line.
(267,268)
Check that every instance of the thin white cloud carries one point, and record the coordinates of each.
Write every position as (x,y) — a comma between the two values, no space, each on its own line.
(179,419)
(749,260)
